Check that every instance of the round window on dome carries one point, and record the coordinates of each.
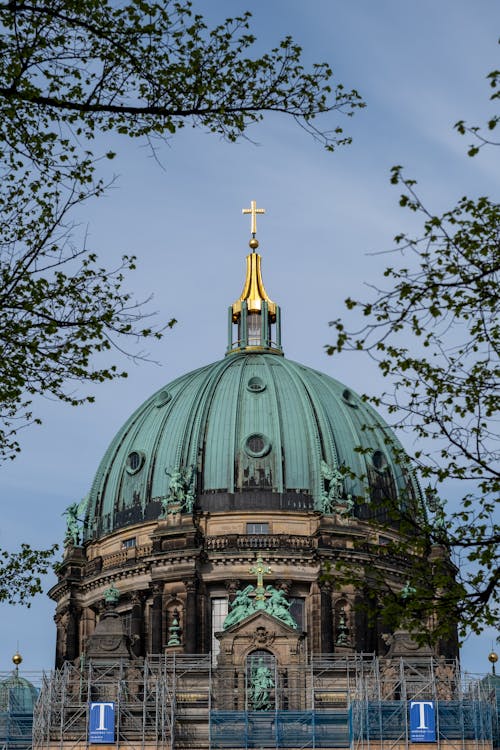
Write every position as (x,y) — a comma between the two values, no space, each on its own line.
(257,445)
(135,461)
(349,398)
(163,398)
(256,385)
(379,460)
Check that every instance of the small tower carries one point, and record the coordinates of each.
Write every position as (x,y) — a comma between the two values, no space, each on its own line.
(254,319)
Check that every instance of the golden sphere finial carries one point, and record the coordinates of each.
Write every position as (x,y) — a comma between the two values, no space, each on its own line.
(492,657)
(17,658)
(254,243)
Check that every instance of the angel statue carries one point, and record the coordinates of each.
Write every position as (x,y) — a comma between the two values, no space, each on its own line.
(242,606)
(278,605)
(332,496)
(75,515)
(181,491)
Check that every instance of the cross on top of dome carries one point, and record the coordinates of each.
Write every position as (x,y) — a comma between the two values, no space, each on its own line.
(253,211)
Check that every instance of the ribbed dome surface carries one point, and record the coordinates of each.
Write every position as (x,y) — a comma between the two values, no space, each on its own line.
(17,695)
(254,429)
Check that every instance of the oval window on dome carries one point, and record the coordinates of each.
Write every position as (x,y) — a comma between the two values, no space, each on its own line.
(135,461)
(349,398)
(163,398)
(379,460)
(256,385)
(257,445)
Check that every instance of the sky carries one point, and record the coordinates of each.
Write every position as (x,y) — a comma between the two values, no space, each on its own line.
(420,66)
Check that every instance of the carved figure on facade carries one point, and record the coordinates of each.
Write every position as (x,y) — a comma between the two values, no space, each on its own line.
(445,679)
(75,514)
(389,676)
(181,491)
(246,603)
(242,606)
(263,637)
(278,606)
(333,496)
(261,684)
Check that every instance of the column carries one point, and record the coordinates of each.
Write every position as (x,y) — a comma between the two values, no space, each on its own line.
(157,619)
(326,618)
(136,624)
(71,650)
(190,619)
(60,640)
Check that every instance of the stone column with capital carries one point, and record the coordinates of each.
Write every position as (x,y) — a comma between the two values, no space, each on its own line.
(191,619)
(72,639)
(136,624)
(60,639)
(326,618)
(157,619)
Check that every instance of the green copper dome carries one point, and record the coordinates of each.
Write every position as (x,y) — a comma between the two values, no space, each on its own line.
(17,695)
(252,431)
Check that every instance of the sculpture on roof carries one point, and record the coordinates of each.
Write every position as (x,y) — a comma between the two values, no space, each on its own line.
(437,506)
(278,606)
(333,497)
(241,607)
(181,491)
(257,599)
(75,514)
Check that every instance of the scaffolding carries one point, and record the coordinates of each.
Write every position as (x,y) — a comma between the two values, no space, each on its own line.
(465,708)
(182,701)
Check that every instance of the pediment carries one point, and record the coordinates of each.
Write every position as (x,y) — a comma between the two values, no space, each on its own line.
(261,619)
(260,630)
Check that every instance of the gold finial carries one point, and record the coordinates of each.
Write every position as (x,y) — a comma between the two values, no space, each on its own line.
(17,658)
(492,658)
(254,293)
(253,210)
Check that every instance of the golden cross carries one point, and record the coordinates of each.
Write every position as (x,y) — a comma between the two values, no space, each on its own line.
(260,570)
(254,211)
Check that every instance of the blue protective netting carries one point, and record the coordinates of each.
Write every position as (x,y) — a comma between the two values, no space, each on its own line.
(456,720)
(297,729)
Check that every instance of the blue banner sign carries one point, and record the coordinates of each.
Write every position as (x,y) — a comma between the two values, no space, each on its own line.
(422,721)
(102,723)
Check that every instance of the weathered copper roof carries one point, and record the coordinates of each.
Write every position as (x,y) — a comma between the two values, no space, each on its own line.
(249,423)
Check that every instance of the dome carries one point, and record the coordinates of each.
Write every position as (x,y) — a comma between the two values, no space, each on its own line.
(251,431)
(17,694)
(253,466)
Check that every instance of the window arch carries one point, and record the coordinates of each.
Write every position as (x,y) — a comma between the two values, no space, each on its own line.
(261,680)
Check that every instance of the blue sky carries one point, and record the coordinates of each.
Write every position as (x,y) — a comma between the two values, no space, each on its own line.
(420,66)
